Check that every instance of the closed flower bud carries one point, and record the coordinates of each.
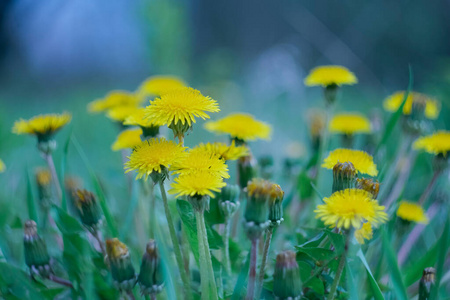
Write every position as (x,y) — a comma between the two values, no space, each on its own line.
(276,196)
(256,211)
(369,185)
(344,175)
(229,200)
(247,170)
(88,209)
(121,268)
(150,277)
(286,278)
(426,283)
(36,254)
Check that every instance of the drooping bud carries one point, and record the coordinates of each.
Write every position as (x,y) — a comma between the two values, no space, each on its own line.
(88,208)
(276,196)
(43,181)
(256,211)
(247,170)
(286,278)
(229,200)
(426,283)
(36,254)
(330,93)
(121,268)
(151,279)
(369,185)
(344,175)
(266,166)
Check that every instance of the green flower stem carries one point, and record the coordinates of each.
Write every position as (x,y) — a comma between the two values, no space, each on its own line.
(337,277)
(252,273)
(176,245)
(226,247)
(152,213)
(263,262)
(51,165)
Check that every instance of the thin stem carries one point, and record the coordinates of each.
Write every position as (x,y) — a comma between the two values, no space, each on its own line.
(152,213)
(226,247)
(429,188)
(51,165)
(263,262)
(60,281)
(252,274)
(337,277)
(176,245)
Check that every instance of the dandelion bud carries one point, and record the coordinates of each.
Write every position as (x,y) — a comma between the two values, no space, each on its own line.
(266,166)
(88,209)
(43,180)
(370,185)
(229,200)
(275,205)
(247,169)
(121,268)
(344,175)
(426,283)
(150,277)
(36,254)
(286,278)
(256,210)
(179,129)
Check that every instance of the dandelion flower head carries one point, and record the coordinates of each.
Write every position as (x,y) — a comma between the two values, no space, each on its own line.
(364,233)
(137,118)
(412,212)
(42,125)
(197,183)
(349,123)
(330,75)
(437,143)
(120,113)
(393,102)
(158,85)
(114,99)
(362,161)
(127,139)
(224,151)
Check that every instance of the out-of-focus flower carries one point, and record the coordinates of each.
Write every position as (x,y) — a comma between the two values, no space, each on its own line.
(393,102)
(412,212)
(351,207)
(368,184)
(128,138)
(151,277)
(201,160)
(276,195)
(43,126)
(158,85)
(364,233)
(330,75)
(240,126)
(122,270)
(88,209)
(349,123)
(114,99)
(120,113)
(362,161)
(286,278)
(35,250)
(223,151)
(197,183)
(437,143)
(2,166)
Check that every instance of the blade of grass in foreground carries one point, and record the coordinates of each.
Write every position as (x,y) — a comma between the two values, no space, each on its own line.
(377,294)
(63,171)
(443,249)
(98,189)
(31,202)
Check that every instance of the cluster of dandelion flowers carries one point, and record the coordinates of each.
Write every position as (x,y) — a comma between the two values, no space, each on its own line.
(201,160)
(197,183)
(114,99)
(43,126)
(330,75)
(158,85)
(393,102)
(127,139)
(412,212)
(349,124)
(224,151)
(364,233)
(362,161)
(240,126)
(437,143)
(351,207)
(153,156)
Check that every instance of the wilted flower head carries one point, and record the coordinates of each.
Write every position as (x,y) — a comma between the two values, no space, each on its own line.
(368,184)
(330,75)
(412,212)
(393,102)
(114,99)
(127,139)
(349,123)
(362,161)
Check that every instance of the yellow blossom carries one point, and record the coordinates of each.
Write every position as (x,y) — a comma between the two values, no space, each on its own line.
(127,139)
(201,160)
(180,105)
(362,161)
(224,151)
(114,99)
(412,212)
(153,155)
(116,249)
(393,102)
(42,125)
(351,207)
(158,85)
(364,233)
(2,166)
(260,188)
(349,123)
(120,113)
(197,183)
(242,126)
(437,143)
(137,118)
(330,75)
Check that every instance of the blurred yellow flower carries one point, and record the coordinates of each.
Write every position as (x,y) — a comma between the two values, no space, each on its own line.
(138,118)
(364,233)
(349,123)
(43,176)
(158,85)
(242,126)
(180,105)
(362,161)
(120,113)
(224,151)
(42,125)
(115,249)
(197,183)
(412,212)
(351,207)
(393,102)
(259,188)
(330,75)
(2,166)
(153,155)
(437,143)
(114,99)
(127,139)
(201,160)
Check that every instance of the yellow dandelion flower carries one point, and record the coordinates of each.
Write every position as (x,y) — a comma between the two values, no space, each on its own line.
(330,75)
(224,151)
(158,85)
(114,99)
(127,139)
(349,123)
(42,125)
(153,155)
(364,233)
(201,160)
(138,118)
(120,113)
(2,166)
(437,143)
(362,161)
(393,102)
(43,176)
(180,105)
(412,212)
(197,183)
(259,188)
(351,207)
(242,126)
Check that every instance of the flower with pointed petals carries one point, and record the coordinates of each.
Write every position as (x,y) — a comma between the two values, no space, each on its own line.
(330,75)
(349,123)
(437,143)
(351,207)
(393,102)
(224,151)
(364,233)
(127,139)
(362,161)
(158,85)
(43,126)
(114,99)
(199,159)
(197,183)
(412,212)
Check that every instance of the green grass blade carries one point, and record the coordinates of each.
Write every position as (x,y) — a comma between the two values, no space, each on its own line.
(376,291)
(63,171)
(414,272)
(443,249)
(130,213)
(31,200)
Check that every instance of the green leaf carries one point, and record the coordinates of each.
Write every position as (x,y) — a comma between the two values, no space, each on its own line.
(66,223)
(242,279)
(304,185)
(31,202)
(376,291)
(395,274)
(214,215)
(15,282)
(314,283)
(443,249)
(318,254)
(338,241)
